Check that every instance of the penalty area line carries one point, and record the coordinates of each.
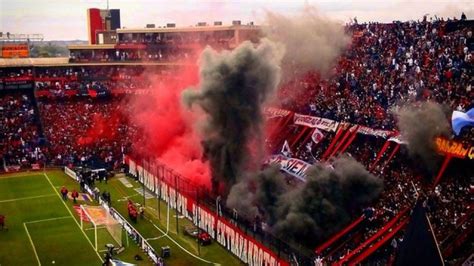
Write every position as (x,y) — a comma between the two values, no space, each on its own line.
(27,198)
(32,244)
(16,175)
(77,223)
(47,220)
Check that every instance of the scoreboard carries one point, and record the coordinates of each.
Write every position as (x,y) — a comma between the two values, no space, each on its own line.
(15,50)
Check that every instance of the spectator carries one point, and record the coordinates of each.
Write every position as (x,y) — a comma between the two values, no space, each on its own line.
(2,222)
(64,192)
(74,195)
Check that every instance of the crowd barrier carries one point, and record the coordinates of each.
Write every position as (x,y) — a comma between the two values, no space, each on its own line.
(338,235)
(365,254)
(387,227)
(163,182)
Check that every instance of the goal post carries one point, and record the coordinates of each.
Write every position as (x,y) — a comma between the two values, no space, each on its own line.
(105,228)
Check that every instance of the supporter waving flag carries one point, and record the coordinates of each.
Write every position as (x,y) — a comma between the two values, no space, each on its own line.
(459,120)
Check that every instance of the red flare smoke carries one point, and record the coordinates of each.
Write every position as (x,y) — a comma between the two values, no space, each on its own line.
(168,130)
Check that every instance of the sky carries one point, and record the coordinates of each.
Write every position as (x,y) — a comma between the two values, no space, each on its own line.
(66,19)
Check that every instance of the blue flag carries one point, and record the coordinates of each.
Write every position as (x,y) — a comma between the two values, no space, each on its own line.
(459,120)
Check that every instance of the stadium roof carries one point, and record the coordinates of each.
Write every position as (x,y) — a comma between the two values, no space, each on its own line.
(64,61)
(188,29)
(17,62)
(91,46)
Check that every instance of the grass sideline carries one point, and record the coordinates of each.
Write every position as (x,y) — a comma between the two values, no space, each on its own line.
(41,227)
(38,221)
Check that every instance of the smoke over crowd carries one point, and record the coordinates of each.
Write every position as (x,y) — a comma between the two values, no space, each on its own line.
(312,42)
(221,129)
(309,212)
(322,205)
(419,125)
(233,88)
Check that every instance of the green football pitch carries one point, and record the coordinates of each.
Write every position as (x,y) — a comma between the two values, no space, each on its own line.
(42,229)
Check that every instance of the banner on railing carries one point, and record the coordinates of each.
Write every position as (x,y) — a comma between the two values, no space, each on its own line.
(271,112)
(11,168)
(70,173)
(454,148)
(374,132)
(325,123)
(315,122)
(292,166)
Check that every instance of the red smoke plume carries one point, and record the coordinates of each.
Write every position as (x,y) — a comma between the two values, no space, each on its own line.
(168,128)
(101,128)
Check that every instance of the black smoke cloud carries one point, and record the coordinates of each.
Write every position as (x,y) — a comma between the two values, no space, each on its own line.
(323,205)
(310,212)
(259,192)
(233,87)
(419,124)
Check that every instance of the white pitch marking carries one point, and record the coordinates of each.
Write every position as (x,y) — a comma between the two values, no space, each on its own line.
(27,198)
(127,197)
(177,244)
(7,176)
(50,219)
(78,225)
(32,244)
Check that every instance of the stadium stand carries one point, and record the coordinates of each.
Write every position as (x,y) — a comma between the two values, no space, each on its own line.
(19,130)
(75,117)
(388,63)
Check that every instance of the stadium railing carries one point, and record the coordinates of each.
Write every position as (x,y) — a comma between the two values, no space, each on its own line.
(157,171)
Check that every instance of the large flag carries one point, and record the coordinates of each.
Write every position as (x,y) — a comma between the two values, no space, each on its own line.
(459,120)
(419,245)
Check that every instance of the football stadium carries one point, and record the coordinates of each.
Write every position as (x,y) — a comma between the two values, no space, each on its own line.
(293,138)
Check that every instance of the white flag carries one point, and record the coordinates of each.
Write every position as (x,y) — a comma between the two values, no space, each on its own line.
(285,150)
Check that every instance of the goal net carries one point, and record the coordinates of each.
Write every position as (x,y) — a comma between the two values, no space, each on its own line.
(101,226)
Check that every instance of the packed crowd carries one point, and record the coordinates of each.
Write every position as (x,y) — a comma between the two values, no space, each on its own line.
(19,131)
(402,185)
(83,132)
(449,206)
(144,55)
(158,47)
(405,182)
(387,64)
(93,81)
